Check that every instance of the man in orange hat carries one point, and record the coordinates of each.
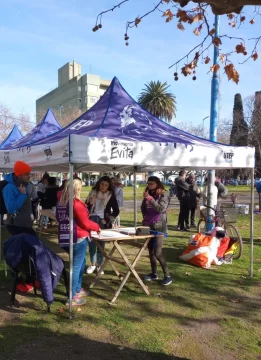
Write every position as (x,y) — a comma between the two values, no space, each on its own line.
(17,200)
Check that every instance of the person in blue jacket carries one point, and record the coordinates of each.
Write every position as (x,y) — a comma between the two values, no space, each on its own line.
(18,201)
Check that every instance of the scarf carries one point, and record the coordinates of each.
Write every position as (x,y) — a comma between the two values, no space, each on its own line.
(103,197)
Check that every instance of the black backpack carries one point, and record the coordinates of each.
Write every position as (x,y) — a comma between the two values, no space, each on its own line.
(3,209)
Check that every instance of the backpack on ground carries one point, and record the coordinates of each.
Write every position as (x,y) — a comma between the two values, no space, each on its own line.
(3,209)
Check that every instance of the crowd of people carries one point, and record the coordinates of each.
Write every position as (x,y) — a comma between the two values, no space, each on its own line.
(101,210)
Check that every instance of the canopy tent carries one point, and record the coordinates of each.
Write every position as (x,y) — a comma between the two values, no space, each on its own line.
(14,135)
(117,134)
(49,125)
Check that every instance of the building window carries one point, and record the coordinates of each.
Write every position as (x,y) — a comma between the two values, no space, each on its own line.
(92,99)
(79,88)
(92,88)
(85,88)
(80,100)
(102,92)
(85,99)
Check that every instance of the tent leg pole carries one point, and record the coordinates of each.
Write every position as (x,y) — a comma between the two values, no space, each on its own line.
(71,239)
(251,273)
(135,197)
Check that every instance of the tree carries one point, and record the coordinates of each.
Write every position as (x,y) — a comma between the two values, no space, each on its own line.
(199,17)
(253,119)
(8,119)
(239,131)
(158,100)
(65,116)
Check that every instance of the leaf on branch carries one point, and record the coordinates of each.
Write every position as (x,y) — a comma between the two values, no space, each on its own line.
(207,60)
(217,41)
(254,56)
(196,32)
(240,49)
(180,27)
(230,16)
(212,32)
(215,68)
(183,16)
(222,58)
(232,24)
(137,21)
(198,17)
(232,73)
(252,21)
(243,18)
(168,13)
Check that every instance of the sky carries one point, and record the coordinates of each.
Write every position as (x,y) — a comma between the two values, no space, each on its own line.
(37,38)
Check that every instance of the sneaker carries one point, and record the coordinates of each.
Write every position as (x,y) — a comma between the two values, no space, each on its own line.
(151,277)
(187,226)
(91,269)
(98,269)
(77,301)
(83,293)
(167,280)
(193,225)
(185,230)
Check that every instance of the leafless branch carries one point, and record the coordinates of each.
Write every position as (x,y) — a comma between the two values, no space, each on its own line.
(254,49)
(111,9)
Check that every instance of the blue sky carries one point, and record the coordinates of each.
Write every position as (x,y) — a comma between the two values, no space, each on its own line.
(36,38)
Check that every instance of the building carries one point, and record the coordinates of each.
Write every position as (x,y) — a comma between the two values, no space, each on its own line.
(74,90)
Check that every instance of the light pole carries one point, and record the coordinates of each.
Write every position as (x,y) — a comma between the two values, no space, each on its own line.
(61,107)
(203,133)
(203,125)
(213,126)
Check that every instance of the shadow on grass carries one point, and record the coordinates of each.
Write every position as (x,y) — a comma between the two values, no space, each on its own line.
(48,344)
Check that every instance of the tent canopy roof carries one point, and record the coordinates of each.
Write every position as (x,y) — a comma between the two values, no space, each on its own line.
(14,135)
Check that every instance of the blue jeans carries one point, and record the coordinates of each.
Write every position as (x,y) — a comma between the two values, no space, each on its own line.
(96,256)
(45,220)
(79,262)
(96,259)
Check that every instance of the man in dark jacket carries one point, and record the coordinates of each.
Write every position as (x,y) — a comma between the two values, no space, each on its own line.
(18,200)
(183,196)
(193,200)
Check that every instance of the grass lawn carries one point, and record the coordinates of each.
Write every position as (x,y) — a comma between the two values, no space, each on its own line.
(204,314)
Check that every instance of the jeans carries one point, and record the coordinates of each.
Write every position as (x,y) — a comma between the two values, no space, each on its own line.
(45,220)
(184,214)
(79,262)
(95,254)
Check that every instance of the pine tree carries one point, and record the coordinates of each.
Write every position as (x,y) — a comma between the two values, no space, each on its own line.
(239,131)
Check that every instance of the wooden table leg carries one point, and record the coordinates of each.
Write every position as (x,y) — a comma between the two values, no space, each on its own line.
(131,269)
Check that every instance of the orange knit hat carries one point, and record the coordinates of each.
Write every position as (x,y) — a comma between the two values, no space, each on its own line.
(21,168)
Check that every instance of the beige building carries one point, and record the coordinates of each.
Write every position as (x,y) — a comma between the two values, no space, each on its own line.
(74,90)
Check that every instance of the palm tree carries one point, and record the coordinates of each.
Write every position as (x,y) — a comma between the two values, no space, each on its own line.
(158,101)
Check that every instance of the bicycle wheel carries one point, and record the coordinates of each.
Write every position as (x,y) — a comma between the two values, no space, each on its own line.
(232,232)
(201,226)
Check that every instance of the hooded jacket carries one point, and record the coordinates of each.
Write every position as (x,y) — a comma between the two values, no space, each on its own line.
(18,205)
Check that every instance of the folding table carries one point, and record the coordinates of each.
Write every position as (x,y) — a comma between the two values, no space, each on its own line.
(118,239)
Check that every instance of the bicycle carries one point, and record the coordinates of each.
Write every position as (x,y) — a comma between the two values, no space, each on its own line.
(231,230)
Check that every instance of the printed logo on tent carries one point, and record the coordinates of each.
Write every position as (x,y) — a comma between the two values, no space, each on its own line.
(121,150)
(65,151)
(48,152)
(134,121)
(228,156)
(6,157)
(25,148)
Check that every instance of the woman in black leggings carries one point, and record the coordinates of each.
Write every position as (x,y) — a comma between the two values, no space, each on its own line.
(153,208)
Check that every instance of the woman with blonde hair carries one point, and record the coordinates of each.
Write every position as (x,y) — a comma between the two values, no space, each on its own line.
(82,226)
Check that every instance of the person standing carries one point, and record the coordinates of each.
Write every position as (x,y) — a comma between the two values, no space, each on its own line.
(17,200)
(154,211)
(183,197)
(103,207)
(194,195)
(81,231)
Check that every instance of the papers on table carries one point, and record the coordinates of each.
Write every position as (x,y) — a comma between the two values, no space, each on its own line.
(108,234)
(127,230)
